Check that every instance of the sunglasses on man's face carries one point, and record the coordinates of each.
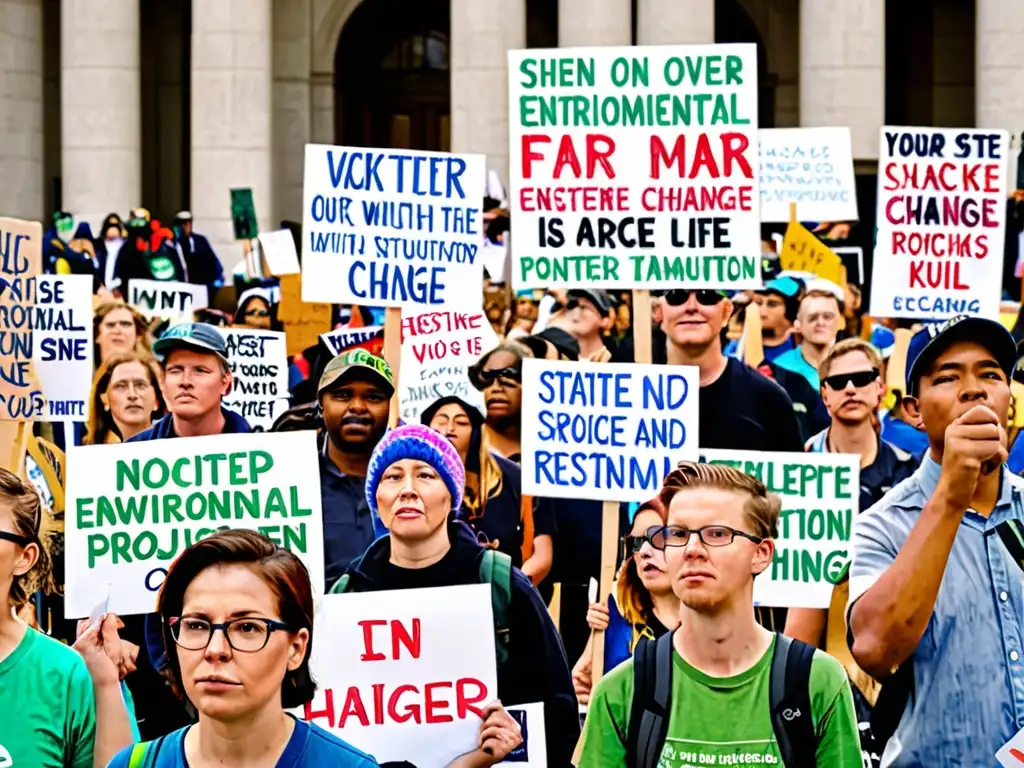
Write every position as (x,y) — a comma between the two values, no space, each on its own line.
(859,379)
(679,296)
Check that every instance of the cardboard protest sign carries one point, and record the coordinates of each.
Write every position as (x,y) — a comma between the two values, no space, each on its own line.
(21,398)
(532,753)
(62,345)
(133,508)
(243,214)
(393,682)
(605,432)
(1011,754)
(392,228)
(803,252)
(369,337)
(278,249)
(820,495)
(811,167)
(941,222)
(303,321)
(437,349)
(259,369)
(167,299)
(634,167)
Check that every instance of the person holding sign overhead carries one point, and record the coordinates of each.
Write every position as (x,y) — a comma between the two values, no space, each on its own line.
(415,481)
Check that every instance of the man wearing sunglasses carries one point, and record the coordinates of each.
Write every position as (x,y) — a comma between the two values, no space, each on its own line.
(739,408)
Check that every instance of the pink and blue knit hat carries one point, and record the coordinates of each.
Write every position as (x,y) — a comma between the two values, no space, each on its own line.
(416,441)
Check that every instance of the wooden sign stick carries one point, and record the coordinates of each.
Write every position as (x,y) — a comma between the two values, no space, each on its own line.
(393,355)
(15,435)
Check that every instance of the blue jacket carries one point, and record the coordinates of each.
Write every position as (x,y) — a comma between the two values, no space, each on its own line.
(164,428)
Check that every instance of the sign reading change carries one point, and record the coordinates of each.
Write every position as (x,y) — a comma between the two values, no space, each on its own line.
(820,495)
(635,167)
(133,508)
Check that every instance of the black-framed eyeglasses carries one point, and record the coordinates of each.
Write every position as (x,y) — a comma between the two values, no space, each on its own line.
(705,297)
(859,379)
(248,634)
(18,539)
(710,536)
(486,378)
(633,543)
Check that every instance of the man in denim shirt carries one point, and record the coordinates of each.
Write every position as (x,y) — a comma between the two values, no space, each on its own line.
(931,583)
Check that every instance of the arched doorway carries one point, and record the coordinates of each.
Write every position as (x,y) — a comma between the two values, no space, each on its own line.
(734,25)
(391,76)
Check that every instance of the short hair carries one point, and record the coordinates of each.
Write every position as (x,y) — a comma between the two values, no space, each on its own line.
(761,507)
(281,571)
(26,509)
(819,294)
(845,347)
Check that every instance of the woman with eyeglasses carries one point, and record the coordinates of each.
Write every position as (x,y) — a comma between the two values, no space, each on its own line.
(415,481)
(643,604)
(126,398)
(62,706)
(499,375)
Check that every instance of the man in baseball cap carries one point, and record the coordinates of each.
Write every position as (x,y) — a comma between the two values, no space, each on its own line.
(933,560)
(354,395)
(197,377)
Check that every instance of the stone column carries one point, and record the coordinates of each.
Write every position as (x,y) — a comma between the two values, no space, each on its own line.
(594,22)
(842,68)
(998,97)
(321,85)
(482,32)
(291,103)
(101,112)
(231,117)
(675,22)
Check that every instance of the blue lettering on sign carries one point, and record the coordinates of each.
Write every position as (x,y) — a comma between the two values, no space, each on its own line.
(155,579)
(598,470)
(424,175)
(376,282)
(925,306)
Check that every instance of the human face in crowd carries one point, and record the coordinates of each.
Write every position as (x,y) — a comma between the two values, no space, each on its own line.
(16,558)
(356,414)
(694,324)
(116,333)
(130,396)
(194,382)
(849,395)
(256,315)
(622,320)
(650,562)
(413,500)
(452,421)
(818,320)
(503,396)
(526,309)
(223,683)
(585,319)
(965,375)
(112,233)
(772,309)
(710,579)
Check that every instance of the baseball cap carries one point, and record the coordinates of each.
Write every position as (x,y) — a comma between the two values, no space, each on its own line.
(787,287)
(355,361)
(930,342)
(560,339)
(200,336)
(596,297)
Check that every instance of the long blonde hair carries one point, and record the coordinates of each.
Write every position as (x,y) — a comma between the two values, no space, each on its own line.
(26,510)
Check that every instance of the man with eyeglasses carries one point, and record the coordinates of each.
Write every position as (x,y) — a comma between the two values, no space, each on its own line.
(817,322)
(707,697)
(739,408)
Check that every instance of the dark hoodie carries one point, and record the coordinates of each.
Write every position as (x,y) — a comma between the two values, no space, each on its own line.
(536,669)
(163,429)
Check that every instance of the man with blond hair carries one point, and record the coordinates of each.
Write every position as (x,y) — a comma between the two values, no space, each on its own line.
(721,689)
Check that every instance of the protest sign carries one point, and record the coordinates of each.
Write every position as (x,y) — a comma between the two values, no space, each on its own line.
(62,345)
(635,167)
(605,432)
(133,508)
(437,349)
(532,753)
(243,214)
(811,167)
(803,252)
(167,299)
(21,398)
(278,250)
(820,495)
(303,321)
(369,337)
(1011,755)
(393,682)
(259,370)
(392,228)
(941,222)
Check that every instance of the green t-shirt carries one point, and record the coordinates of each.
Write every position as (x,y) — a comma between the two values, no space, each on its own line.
(49,717)
(723,720)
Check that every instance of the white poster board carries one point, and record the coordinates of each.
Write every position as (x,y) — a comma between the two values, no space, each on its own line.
(820,495)
(605,432)
(279,250)
(62,345)
(634,167)
(134,507)
(941,221)
(259,370)
(437,349)
(392,228)
(812,167)
(167,299)
(392,680)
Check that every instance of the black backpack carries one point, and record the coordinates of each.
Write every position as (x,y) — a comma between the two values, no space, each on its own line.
(789,695)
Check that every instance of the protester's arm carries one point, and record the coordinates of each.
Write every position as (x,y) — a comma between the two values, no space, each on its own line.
(807,624)
(836,727)
(582,672)
(539,564)
(100,648)
(499,735)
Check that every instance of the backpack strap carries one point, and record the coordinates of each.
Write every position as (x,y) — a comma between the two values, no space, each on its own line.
(790,700)
(339,587)
(140,752)
(649,710)
(496,570)
(1012,534)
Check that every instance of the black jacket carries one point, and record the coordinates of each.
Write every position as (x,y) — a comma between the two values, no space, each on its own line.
(536,669)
